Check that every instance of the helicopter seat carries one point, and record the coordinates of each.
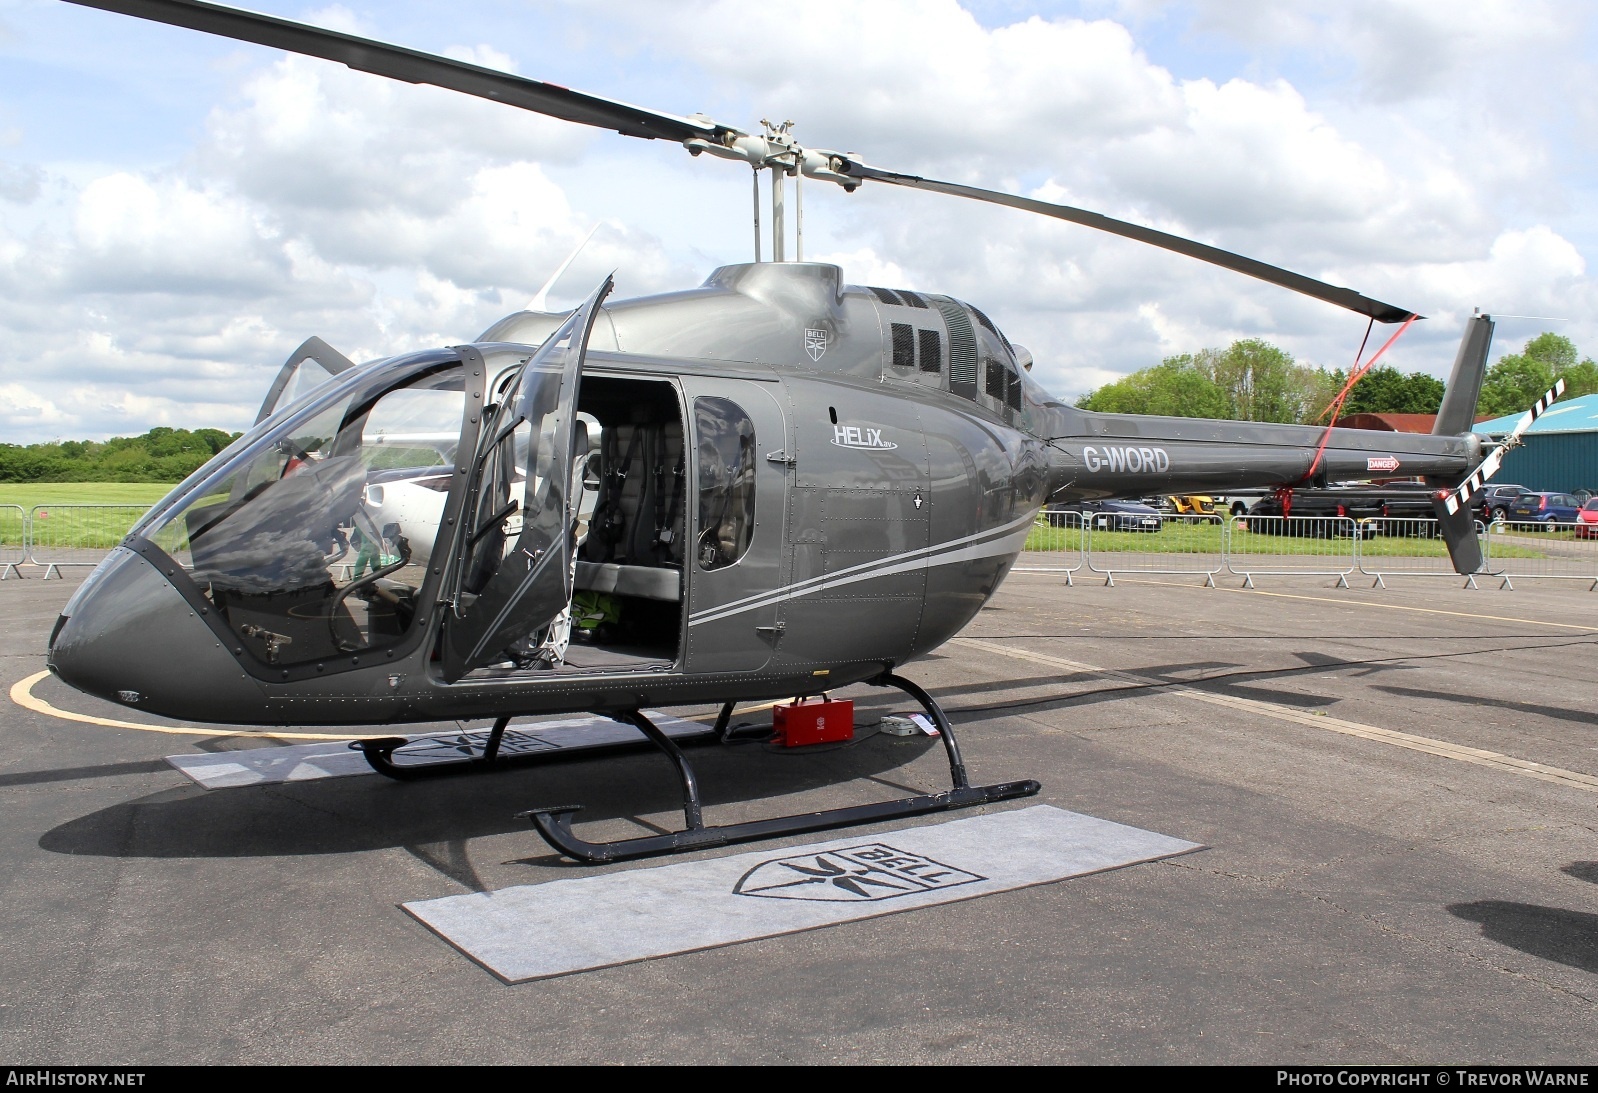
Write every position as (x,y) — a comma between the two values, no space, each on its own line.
(637,549)
(644,582)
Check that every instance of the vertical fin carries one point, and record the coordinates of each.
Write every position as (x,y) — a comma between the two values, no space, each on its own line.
(1457,522)
(1458,411)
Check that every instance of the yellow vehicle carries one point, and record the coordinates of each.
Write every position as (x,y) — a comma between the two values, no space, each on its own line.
(1194,505)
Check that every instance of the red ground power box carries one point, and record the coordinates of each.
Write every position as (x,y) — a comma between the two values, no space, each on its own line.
(804,722)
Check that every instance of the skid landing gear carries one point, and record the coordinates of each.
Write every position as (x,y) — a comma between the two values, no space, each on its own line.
(554,823)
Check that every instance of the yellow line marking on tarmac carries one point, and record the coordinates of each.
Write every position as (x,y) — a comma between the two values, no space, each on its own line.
(22,694)
(1387,606)
(1477,756)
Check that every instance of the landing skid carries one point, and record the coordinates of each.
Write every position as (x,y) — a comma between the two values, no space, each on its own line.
(554,823)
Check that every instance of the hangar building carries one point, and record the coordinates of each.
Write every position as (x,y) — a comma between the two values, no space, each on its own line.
(1560,450)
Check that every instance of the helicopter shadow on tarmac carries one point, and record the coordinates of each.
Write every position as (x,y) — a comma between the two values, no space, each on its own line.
(346,815)
(1549,933)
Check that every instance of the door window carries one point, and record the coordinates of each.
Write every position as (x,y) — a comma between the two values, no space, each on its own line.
(726,482)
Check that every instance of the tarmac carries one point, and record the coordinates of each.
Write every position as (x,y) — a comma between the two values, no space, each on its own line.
(1396,788)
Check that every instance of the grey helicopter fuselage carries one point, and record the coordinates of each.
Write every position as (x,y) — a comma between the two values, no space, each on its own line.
(797,484)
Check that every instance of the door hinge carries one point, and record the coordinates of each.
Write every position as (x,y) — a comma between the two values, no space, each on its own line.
(773,632)
(781,457)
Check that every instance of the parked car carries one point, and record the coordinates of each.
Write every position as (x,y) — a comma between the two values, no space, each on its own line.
(1234,504)
(1114,515)
(1587,520)
(1394,509)
(1542,510)
(1315,516)
(1493,502)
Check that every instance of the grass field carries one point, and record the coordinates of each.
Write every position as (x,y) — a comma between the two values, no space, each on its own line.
(79,528)
(28,494)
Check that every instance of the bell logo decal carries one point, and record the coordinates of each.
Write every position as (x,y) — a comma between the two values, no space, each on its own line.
(859,874)
(815,343)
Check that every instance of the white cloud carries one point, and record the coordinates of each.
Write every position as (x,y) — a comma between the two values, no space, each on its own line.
(19,183)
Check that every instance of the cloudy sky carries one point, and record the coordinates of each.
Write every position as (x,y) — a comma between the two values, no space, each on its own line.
(178,212)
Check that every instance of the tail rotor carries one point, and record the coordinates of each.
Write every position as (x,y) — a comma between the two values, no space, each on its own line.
(1460,497)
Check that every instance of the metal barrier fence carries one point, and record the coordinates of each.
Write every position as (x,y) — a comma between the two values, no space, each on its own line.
(76,535)
(1566,552)
(1324,546)
(1409,547)
(13,540)
(1055,545)
(1177,544)
(1108,544)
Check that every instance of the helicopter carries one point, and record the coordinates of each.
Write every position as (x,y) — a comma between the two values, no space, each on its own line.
(772,485)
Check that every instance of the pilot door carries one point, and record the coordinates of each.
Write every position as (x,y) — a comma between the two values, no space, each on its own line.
(737,553)
(512,570)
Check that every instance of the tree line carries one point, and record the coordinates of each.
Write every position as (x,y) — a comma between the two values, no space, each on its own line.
(1250,380)
(160,455)
(1253,380)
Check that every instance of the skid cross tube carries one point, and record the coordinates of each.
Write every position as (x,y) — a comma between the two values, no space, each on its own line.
(554,823)
(379,753)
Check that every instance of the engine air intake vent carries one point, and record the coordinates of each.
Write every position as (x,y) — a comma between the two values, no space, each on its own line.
(887,296)
(931,350)
(962,349)
(913,299)
(987,323)
(1012,393)
(994,385)
(904,346)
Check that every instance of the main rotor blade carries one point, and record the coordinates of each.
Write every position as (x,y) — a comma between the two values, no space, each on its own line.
(1342,297)
(410,66)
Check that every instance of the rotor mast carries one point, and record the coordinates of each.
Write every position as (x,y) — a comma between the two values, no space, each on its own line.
(776,151)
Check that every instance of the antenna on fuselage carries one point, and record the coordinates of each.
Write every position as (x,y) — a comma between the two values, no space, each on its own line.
(540,300)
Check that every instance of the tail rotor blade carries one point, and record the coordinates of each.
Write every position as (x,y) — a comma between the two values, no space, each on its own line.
(1472,485)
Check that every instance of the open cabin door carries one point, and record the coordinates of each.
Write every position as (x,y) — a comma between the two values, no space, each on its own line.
(308,367)
(513,573)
